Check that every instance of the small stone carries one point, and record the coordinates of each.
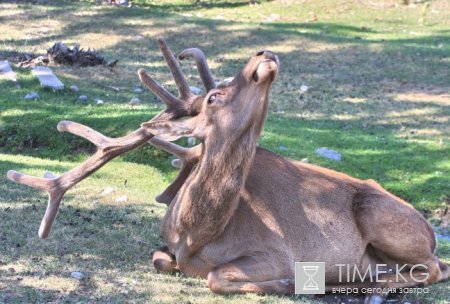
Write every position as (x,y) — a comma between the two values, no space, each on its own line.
(47,78)
(74,88)
(83,98)
(77,275)
(32,95)
(304,160)
(304,88)
(122,199)
(328,153)
(99,101)
(376,299)
(134,101)
(196,91)
(220,58)
(273,17)
(282,148)
(191,141)
(11,269)
(176,163)
(107,191)
(138,37)
(7,72)
(48,174)
(137,90)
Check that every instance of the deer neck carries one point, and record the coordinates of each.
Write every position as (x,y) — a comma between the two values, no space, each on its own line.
(211,195)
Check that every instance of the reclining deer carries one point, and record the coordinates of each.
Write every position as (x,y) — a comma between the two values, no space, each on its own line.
(241,216)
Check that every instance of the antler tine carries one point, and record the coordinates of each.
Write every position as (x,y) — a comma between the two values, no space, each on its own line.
(202,66)
(55,195)
(174,149)
(107,149)
(156,88)
(189,157)
(183,87)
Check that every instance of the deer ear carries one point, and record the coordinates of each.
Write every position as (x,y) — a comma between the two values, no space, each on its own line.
(169,130)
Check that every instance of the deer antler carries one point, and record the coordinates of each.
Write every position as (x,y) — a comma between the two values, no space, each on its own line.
(189,156)
(202,66)
(108,148)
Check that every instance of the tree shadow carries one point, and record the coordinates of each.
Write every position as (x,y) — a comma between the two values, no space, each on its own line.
(349,68)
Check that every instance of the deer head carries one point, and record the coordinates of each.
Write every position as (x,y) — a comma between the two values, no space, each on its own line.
(229,110)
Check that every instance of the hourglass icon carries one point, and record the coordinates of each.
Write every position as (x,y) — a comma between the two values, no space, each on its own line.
(310,271)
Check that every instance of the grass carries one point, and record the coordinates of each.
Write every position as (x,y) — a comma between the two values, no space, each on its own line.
(378,93)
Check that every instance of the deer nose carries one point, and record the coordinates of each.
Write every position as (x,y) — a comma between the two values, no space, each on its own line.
(267,54)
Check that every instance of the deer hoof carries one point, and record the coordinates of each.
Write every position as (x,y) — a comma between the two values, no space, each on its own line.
(164,262)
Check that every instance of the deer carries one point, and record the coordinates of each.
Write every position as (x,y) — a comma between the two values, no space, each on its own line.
(239,215)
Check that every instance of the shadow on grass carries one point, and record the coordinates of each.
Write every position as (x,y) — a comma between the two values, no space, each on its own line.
(123,237)
(82,239)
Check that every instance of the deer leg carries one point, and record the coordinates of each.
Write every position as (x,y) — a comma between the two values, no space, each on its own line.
(247,274)
(164,261)
(400,236)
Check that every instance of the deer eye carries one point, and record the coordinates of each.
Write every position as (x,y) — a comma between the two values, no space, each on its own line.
(212,98)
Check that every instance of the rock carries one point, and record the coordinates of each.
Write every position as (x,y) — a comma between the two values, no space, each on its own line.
(122,199)
(6,71)
(77,275)
(83,98)
(48,174)
(74,88)
(273,17)
(99,101)
(191,141)
(328,153)
(376,299)
(304,160)
(220,58)
(137,90)
(304,88)
(32,95)
(47,78)
(134,101)
(176,163)
(282,148)
(107,191)
(196,91)
(138,37)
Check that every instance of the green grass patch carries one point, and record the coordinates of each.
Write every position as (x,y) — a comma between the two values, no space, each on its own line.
(378,92)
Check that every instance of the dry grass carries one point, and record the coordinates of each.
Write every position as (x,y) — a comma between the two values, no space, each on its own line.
(378,92)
